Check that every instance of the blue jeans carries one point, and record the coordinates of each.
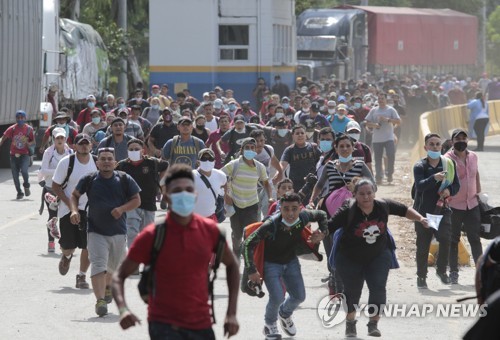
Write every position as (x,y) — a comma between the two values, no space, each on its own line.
(277,277)
(354,274)
(20,164)
(164,331)
(390,151)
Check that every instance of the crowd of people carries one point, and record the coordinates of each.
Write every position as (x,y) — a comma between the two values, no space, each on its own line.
(294,157)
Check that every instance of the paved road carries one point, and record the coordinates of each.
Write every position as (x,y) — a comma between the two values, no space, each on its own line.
(38,303)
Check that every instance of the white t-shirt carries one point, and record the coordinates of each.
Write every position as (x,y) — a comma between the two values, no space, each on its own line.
(212,125)
(79,170)
(205,203)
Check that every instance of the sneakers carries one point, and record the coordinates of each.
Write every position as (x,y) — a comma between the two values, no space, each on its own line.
(53,229)
(27,192)
(372,329)
(64,264)
(52,247)
(389,179)
(19,196)
(454,278)
(81,283)
(271,331)
(421,282)
(108,296)
(444,277)
(101,307)
(51,200)
(350,328)
(287,325)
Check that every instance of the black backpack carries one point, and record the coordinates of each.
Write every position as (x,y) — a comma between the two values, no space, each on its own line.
(71,165)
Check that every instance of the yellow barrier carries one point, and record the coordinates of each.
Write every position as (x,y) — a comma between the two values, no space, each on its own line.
(444,121)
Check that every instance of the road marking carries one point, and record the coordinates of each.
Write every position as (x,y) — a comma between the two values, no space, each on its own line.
(17,220)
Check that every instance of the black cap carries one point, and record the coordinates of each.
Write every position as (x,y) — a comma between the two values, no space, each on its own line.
(117,120)
(456,132)
(185,119)
(82,136)
(239,118)
(315,106)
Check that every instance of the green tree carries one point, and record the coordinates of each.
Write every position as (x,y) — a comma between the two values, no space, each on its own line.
(493,45)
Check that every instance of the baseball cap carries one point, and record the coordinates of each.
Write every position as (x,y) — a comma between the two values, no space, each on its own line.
(341,98)
(20,113)
(248,140)
(155,87)
(218,103)
(117,120)
(82,137)
(124,110)
(136,107)
(238,118)
(285,99)
(90,97)
(331,103)
(341,107)
(315,106)
(280,122)
(95,111)
(61,115)
(352,125)
(184,119)
(57,132)
(456,132)
(206,151)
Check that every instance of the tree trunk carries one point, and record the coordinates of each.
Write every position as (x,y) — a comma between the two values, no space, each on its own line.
(133,66)
(74,10)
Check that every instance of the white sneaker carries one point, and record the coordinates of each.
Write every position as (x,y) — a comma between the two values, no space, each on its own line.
(287,325)
(271,331)
(53,229)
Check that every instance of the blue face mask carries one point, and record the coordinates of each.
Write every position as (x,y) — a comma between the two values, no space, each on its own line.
(249,154)
(357,105)
(96,120)
(285,106)
(282,132)
(21,122)
(155,106)
(345,159)
(232,107)
(325,145)
(121,105)
(433,154)
(90,105)
(183,203)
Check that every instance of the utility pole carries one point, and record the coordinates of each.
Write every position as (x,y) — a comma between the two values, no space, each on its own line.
(482,39)
(122,75)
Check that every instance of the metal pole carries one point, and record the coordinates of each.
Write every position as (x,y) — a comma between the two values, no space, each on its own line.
(483,38)
(122,75)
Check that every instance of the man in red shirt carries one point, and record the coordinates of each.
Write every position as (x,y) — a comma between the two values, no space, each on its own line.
(179,307)
(85,116)
(22,138)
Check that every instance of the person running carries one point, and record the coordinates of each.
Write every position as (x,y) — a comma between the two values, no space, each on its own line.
(282,234)
(365,249)
(51,157)
(244,173)
(68,172)
(179,309)
(22,138)
(110,196)
(146,171)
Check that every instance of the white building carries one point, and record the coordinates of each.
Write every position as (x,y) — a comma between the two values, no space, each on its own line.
(199,44)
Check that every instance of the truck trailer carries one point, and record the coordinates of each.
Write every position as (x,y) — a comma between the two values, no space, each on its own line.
(348,41)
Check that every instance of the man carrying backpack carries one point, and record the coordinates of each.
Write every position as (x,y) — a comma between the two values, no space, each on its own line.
(110,195)
(185,147)
(68,172)
(22,138)
(282,235)
(179,307)
(244,173)
(117,140)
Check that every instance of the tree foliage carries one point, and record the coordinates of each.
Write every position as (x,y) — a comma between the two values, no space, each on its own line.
(493,47)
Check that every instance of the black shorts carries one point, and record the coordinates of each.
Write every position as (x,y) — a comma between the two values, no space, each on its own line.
(73,236)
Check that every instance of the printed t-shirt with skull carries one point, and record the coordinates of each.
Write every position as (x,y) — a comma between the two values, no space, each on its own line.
(366,235)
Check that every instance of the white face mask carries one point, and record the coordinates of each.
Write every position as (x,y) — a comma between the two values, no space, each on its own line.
(355,136)
(331,111)
(279,115)
(290,224)
(240,131)
(207,166)
(309,134)
(134,156)
(282,132)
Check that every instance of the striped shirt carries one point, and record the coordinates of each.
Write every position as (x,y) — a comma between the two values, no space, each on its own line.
(337,178)
(243,181)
